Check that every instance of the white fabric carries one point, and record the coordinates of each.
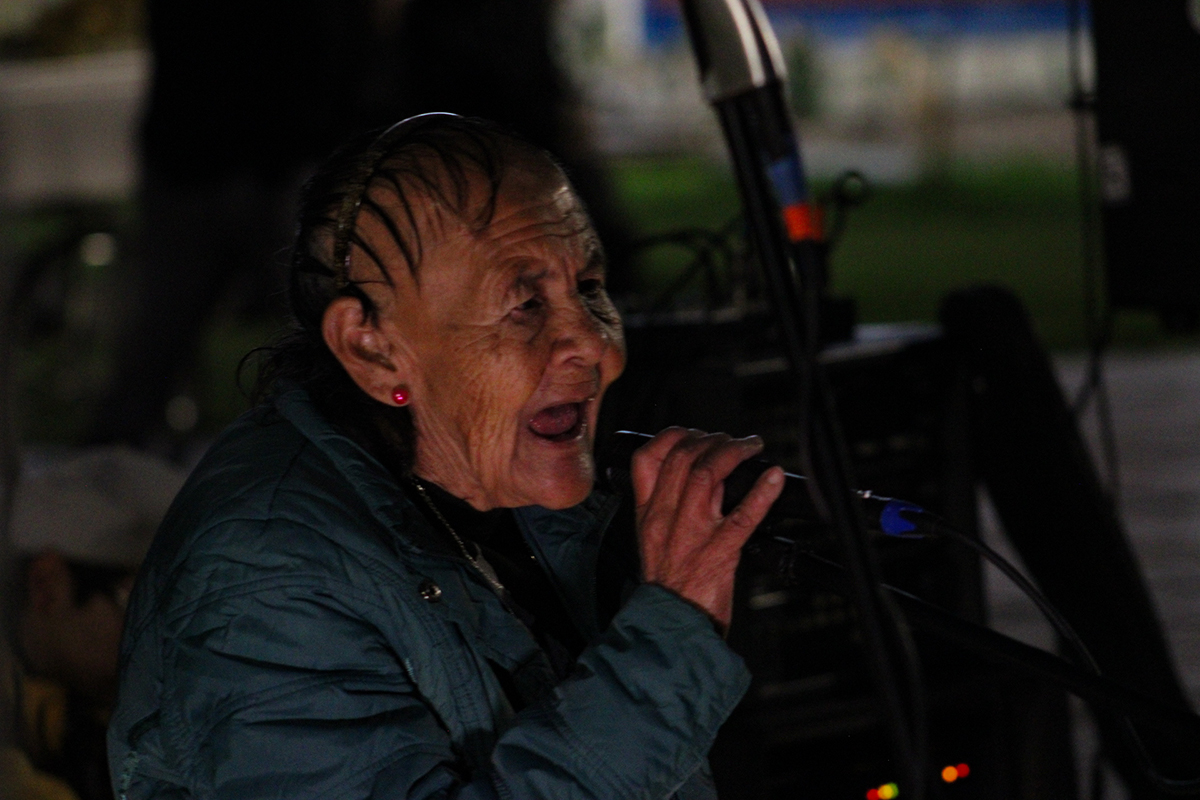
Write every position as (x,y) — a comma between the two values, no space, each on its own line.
(101,506)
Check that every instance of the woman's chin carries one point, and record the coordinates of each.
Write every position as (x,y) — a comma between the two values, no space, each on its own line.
(559,482)
(560,500)
(562,489)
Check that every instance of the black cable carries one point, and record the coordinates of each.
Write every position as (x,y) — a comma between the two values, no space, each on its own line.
(1186,787)
(1025,659)
(850,190)
(822,451)
(713,252)
(822,447)
(1063,628)
(915,674)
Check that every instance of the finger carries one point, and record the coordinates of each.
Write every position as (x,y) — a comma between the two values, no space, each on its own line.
(717,499)
(677,469)
(647,462)
(706,487)
(749,514)
(656,511)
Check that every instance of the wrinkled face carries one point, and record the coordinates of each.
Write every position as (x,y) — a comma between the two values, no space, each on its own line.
(507,341)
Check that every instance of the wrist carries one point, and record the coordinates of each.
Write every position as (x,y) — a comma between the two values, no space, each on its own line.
(720,625)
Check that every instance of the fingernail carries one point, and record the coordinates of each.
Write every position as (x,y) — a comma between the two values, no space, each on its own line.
(774,477)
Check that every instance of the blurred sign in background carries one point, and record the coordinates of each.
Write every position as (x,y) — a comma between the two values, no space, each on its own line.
(70,94)
(67,127)
(893,89)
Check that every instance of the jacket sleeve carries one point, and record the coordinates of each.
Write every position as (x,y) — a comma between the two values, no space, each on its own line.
(638,716)
(283,687)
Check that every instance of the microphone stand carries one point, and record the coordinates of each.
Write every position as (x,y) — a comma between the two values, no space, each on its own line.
(742,72)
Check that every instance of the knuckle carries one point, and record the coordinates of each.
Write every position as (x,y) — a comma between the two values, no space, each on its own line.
(741,519)
(705,471)
(662,441)
(714,444)
(649,521)
(673,460)
(682,453)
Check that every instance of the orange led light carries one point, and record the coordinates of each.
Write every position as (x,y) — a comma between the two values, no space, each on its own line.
(950,774)
(803,221)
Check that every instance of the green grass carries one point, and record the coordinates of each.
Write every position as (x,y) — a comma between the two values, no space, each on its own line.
(908,246)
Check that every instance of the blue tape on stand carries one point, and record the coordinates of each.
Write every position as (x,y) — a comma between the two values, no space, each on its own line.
(788,179)
(893,524)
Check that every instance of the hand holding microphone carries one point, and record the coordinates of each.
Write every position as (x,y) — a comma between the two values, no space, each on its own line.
(690,535)
(897,518)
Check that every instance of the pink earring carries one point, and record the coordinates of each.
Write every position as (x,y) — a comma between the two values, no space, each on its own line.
(400,395)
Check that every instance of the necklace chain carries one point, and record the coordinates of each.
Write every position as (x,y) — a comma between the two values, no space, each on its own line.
(481,566)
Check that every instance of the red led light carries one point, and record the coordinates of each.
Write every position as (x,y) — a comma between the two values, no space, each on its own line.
(963,770)
(872,794)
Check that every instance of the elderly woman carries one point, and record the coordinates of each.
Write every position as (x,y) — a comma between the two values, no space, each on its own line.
(393,579)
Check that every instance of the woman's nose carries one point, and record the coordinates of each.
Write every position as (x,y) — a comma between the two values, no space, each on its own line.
(580,336)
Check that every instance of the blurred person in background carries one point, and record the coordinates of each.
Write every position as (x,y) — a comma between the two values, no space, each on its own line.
(245,96)
(79,530)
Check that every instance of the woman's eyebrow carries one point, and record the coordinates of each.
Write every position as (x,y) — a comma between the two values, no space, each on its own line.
(524,277)
(596,261)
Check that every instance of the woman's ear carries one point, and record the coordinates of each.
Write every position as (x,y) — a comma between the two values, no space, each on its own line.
(365,353)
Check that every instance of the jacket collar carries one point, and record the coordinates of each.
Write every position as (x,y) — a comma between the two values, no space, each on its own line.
(568,543)
(372,481)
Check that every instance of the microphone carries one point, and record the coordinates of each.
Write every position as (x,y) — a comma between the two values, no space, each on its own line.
(742,72)
(889,516)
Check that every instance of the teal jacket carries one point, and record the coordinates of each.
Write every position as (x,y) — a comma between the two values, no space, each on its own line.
(299,630)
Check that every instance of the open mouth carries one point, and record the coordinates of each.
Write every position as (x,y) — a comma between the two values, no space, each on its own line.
(559,423)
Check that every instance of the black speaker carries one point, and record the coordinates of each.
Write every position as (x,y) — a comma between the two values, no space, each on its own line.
(1148,115)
